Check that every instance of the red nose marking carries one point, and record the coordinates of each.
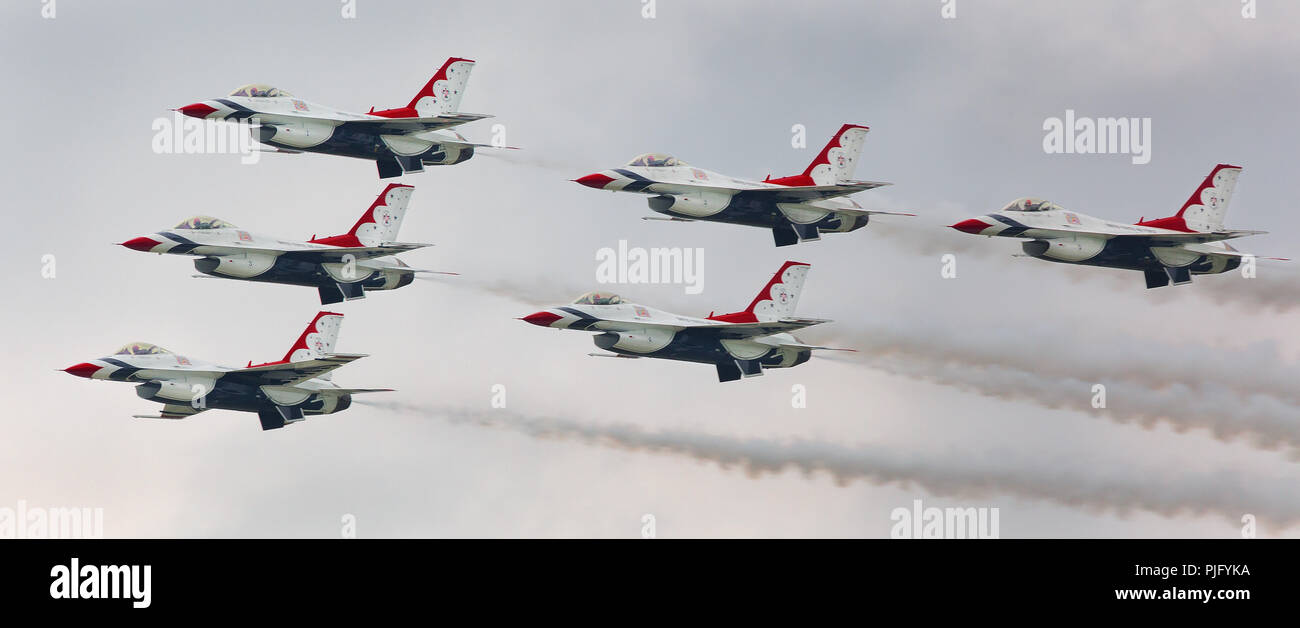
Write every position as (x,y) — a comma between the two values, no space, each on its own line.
(541,319)
(85,369)
(598,181)
(971,226)
(141,244)
(197,110)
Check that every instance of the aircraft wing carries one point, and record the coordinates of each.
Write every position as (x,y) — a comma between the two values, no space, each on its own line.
(172,411)
(378,125)
(357,252)
(762,328)
(801,194)
(871,212)
(1187,238)
(738,330)
(1170,238)
(332,254)
(804,194)
(796,345)
(292,373)
(352,391)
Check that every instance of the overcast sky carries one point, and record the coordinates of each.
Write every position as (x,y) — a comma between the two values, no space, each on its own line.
(973,391)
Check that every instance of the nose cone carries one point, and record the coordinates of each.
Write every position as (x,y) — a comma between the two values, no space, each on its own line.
(85,369)
(971,226)
(597,181)
(197,110)
(541,319)
(141,244)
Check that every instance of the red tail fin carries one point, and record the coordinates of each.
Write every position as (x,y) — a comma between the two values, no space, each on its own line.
(835,163)
(440,95)
(776,300)
(318,339)
(379,223)
(1205,209)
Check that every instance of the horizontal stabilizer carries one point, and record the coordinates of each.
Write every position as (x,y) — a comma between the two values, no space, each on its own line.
(464,144)
(796,345)
(872,212)
(172,411)
(354,391)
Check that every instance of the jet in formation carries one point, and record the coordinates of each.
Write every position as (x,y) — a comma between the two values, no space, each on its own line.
(282,392)
(797,208)
(341,267)
(1166,250)
(739,344)
(400,140)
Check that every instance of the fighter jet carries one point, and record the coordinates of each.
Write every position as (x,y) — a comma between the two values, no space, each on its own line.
(282,392)
(401,140)
(795,208)
(740,344)
(1166,250)
(341,267)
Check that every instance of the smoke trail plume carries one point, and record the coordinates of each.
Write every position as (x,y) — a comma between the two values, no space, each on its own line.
(1240,394)
(1147,386)
(1106,491)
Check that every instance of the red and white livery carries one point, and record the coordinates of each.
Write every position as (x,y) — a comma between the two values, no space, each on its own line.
(281,392)
(341,267)
(1166,250)
(399,140)
(739,344)
(795,208)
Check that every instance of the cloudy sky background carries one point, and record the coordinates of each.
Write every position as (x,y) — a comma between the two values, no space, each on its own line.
(972,391)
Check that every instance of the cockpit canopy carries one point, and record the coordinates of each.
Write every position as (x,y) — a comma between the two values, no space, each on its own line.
(656,160)
(141,348)
(259,90)
(1030,205)
(204,222)
(598,298)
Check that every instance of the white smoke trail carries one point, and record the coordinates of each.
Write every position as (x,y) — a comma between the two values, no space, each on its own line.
(1239,394)
(1106,491)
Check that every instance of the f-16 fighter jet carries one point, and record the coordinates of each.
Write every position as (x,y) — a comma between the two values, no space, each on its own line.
(1166,250)
(340,267)
(796,208)
(400,140)
(740,344)
(280,392)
